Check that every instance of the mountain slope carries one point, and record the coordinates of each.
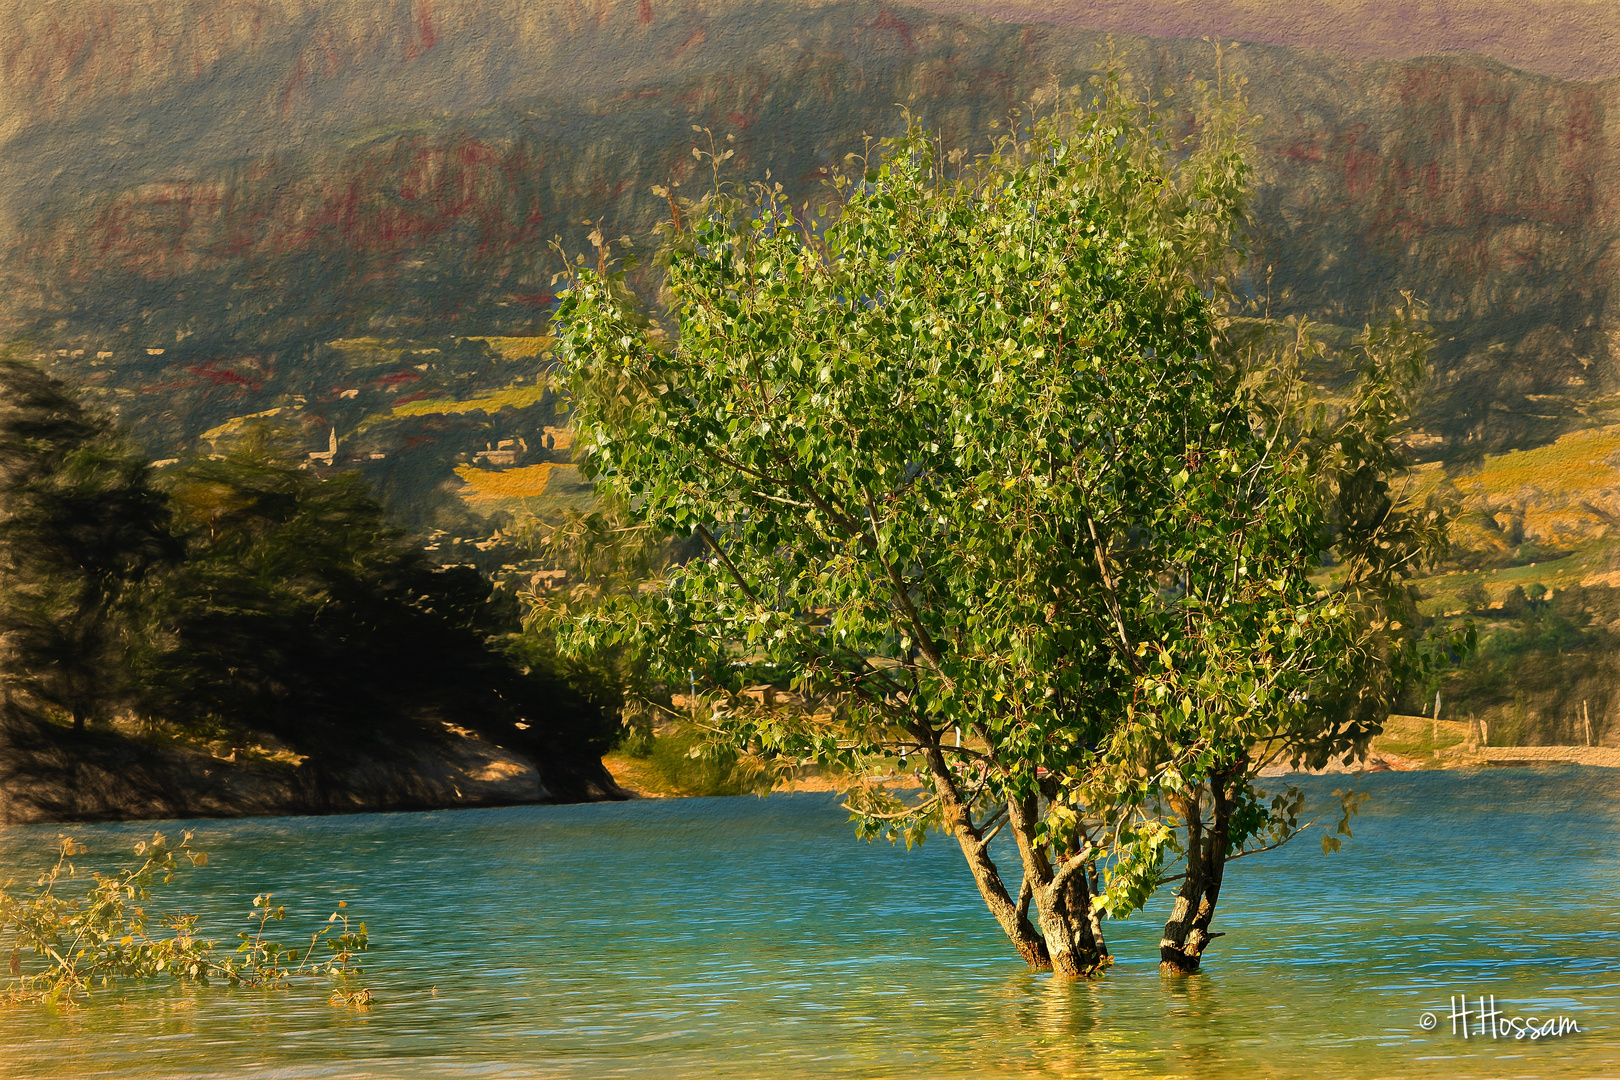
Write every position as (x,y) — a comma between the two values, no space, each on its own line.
(275,175)
(339,217)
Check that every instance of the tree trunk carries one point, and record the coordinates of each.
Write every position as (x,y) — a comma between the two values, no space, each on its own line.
(78,720)
(975,850)
(1070,940)
(1070,926)
(1186,934)
(1080,890)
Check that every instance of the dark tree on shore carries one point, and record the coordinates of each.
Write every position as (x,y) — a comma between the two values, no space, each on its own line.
(80,529)
(300,613)
(243,596)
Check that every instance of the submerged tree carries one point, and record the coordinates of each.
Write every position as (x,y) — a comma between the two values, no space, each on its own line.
(981,465)
(1279,639)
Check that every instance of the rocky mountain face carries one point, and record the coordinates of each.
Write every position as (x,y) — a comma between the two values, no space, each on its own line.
(234,182)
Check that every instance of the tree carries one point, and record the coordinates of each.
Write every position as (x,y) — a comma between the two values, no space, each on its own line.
(300,613)
(605,555)
(248,594)
(983,465)
(80,529)
(1289,644)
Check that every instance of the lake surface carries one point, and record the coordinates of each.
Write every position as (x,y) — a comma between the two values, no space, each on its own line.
(747,938)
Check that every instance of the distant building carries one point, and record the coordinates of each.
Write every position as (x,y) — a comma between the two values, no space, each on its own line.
(548,579)
(329,455)
(505,452)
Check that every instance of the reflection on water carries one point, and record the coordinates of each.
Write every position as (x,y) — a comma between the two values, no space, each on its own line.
(745,937)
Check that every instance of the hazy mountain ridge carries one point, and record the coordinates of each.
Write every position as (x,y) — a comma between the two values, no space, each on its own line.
(1486,192)
(279,174)
(1572,39)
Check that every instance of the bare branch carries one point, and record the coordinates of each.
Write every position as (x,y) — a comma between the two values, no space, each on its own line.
(899,815)
(1278,844)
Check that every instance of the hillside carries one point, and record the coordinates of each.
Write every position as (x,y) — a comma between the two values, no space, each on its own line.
(339,218)
(1572,39)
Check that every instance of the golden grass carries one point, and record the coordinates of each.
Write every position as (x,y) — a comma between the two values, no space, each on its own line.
(517,348)
(1424,480)
(528,482)
(1575,463)
(546,489)
(513,397)
(235,424)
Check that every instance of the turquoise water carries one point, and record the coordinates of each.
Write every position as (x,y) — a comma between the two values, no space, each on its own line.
(746,937)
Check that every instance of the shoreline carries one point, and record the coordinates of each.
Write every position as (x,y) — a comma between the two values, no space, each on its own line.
(49,775)
(1420,743)
(110,778)
(1490,757)
(640,782)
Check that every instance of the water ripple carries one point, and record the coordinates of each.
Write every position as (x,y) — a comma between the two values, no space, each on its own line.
(739,937)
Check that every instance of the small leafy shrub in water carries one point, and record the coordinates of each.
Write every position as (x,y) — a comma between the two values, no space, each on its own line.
(62,944)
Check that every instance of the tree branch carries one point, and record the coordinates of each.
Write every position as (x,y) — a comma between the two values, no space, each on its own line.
(708,538)
(1278,844)
(990,822)
(1111,598)
(1070,867)
(902,594)
(910,811)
